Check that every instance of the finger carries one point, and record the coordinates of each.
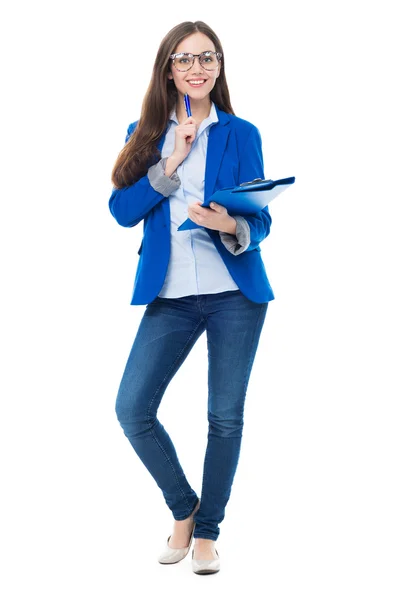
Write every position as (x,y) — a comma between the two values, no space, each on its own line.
(198,209)
(218,207)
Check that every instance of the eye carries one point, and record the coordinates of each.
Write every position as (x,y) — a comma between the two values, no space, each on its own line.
(183,59)
(208,57)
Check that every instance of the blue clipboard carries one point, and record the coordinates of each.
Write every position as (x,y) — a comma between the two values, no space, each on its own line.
(245,199)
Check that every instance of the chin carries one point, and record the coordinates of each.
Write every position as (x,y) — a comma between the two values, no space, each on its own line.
(199,93)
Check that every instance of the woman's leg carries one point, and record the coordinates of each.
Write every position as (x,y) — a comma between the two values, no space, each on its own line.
(234,324)
(167,333)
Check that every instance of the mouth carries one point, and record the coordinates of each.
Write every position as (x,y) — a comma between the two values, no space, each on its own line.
(196,82)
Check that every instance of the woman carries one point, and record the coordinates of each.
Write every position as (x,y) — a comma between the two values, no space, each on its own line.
(210,278)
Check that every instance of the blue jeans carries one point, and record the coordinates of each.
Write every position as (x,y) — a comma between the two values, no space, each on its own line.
(167,332)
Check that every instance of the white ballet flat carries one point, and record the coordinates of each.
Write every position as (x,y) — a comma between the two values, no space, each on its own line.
(204,567)
(174,555)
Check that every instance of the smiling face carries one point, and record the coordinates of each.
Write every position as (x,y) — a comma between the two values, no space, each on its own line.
(194,44)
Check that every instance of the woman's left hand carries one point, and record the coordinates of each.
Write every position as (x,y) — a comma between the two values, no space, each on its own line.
(216,217)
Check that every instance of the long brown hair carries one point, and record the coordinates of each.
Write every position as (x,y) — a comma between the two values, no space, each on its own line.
(140,152)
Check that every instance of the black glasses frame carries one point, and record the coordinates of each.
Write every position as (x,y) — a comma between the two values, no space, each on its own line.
(200,56)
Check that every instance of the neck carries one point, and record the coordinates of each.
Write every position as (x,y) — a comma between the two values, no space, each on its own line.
(200,108)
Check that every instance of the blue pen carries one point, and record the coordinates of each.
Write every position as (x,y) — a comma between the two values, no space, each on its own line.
(187,105)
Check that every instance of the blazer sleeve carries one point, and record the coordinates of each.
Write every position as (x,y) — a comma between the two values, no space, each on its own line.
(251,167)
(132,203)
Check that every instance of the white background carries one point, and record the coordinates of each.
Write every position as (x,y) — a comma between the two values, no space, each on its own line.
(311,511)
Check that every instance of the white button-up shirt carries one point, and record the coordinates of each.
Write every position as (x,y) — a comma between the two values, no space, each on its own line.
(195,266)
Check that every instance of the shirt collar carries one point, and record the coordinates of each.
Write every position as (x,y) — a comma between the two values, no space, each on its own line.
(212,118)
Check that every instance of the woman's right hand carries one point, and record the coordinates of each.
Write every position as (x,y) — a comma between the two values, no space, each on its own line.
(185,134)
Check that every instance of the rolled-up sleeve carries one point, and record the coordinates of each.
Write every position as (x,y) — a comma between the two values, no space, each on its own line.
(160,182)
(236,244)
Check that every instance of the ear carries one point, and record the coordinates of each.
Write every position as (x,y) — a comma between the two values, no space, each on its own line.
(169,75)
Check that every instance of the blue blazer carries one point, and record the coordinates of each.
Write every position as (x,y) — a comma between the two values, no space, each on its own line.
(234,155)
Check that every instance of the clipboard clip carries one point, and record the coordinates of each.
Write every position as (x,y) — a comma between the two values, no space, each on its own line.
(257,180)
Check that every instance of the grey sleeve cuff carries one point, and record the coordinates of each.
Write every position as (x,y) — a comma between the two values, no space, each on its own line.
(236,244)
(160,182)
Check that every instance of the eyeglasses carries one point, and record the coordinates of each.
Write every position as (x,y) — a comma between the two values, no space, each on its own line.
(183,61)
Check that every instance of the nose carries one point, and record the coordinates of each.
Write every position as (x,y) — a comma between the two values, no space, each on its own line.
(199,68)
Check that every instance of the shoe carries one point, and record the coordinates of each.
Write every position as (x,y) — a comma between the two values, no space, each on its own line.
(204,567)
(173,555)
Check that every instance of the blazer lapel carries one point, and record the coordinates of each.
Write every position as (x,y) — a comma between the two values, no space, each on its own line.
(217,141)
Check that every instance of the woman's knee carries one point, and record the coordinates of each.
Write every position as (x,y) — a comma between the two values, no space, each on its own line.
(225,426)
(131,411)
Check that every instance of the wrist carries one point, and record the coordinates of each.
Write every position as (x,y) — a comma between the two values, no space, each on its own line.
(230,225)
(171,165)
